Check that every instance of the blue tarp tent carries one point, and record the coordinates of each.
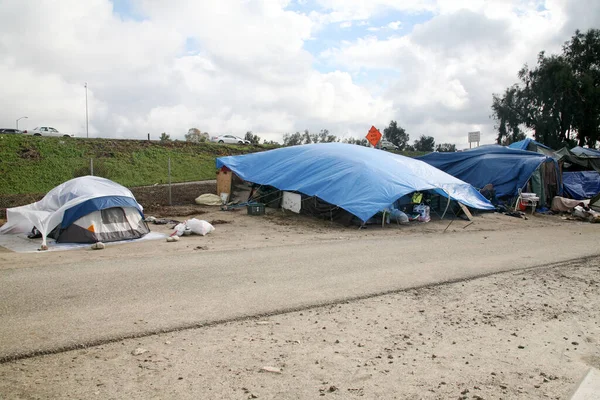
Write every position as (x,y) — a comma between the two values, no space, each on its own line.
(531,145)
(361,180)
(505,168)
(527,144)
(581,185)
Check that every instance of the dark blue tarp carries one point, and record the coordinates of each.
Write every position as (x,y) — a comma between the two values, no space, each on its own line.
(505,168)
(358,179)
(581,185)
(525,143)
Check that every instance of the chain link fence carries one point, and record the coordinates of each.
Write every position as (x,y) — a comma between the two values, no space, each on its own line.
(163,184)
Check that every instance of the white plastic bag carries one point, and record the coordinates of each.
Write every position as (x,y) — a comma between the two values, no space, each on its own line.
(178,230)
(423,211)
(199,227)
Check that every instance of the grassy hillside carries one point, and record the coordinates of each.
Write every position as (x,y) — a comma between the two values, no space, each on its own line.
(37,164)
(30,164)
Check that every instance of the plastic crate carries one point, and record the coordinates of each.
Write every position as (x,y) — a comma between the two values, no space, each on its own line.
(256,209)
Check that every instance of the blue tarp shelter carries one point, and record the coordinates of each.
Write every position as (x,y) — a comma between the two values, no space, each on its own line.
(581,185)
(361,180)
(506,168)
(581,172)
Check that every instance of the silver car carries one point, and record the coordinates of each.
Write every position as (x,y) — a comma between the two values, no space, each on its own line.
(385,145)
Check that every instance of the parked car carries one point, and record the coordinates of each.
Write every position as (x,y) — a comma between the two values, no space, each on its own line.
(385,145)
(45,131)
(230,139)
(11,131)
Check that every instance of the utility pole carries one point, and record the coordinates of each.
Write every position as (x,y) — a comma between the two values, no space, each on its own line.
(87,132)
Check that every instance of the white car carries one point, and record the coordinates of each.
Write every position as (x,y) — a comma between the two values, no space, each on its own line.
(45,131)
(385,145)
(229,139)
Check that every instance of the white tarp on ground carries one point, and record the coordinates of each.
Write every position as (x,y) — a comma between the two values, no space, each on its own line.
(47,213)
(22,244)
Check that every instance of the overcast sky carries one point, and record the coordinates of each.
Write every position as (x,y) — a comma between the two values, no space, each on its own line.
(272,66)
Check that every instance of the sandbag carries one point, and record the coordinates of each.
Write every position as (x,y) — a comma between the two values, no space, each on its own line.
(399,216)
(209,199)
(199,227)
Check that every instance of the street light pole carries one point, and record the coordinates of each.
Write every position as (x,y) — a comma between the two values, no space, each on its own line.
(18,121)
(87,132)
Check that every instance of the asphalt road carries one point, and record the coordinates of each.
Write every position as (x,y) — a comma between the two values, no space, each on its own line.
(57,307)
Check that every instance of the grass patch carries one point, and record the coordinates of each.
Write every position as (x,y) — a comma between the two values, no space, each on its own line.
(30,164)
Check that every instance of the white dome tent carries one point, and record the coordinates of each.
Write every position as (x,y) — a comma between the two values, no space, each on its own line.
(88,209)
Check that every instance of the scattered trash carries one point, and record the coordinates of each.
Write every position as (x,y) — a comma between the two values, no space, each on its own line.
(423,212)
(517,214)
(271,369)
(173,239)
(160,221)
(230,208)
(98,246)
(219,221)
(201,248)
(585,213)
(34,234)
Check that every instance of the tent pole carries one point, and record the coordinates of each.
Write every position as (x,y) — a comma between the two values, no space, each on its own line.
(447,205)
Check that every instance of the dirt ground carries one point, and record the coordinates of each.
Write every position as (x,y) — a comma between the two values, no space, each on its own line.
(237,230)
(521,335)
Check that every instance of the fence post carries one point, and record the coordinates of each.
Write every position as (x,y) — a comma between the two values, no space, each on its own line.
(170,203)
(91,166)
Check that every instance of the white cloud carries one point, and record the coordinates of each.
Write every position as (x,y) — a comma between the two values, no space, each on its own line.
(249,68)
(249,72)
(394,25)
(447,68)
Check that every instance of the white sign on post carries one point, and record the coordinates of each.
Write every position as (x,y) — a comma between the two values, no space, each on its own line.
(474,137)
(291,201)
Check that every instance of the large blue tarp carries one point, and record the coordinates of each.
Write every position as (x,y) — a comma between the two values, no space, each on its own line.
(505,168)
(581,185)
(358,179)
